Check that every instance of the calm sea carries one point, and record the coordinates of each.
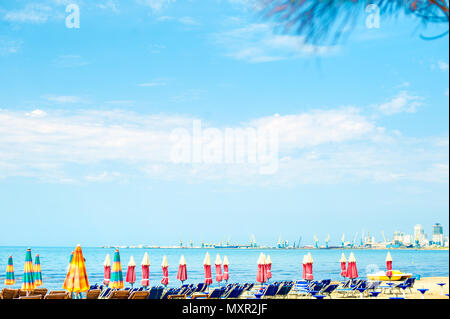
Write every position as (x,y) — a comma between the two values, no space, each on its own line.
(286,263)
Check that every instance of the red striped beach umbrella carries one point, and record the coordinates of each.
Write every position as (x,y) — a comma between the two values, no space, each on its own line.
(268,267)
(145,264)
(226,264)
(10,279)
(37,272)
(389,265)
(182,270)
(304,267)
(28,278)
(343,262)
(352,270)
(131,272)
(165,270)
(261,274)
(116,275)
(207,267)
(218,264)
(107,270)
(309,267)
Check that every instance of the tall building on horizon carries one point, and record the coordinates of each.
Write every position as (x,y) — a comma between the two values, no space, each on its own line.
(438,235)
(420,238)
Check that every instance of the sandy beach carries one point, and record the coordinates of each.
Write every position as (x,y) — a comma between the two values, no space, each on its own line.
(430,283)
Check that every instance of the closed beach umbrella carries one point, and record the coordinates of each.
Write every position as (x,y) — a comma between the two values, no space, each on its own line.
(226,265)
(207,267)
(145,264)
(116,275)
(309,267)
(182,270)
(343,262)
(107,270)
(261,274)
(131,272)
(218,264)
(352,271)
(389,265)
(37,272)
(304,267)
(28,278)
(268,267)
(10,279)
(76,279)
(165,270)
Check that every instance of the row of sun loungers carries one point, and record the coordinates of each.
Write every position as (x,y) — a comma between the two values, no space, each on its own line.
(282,289)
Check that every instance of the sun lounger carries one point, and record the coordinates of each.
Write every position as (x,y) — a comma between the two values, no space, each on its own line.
(105,293)
(170,292)
(31,297)
(215,294)
(59,296)
(40,291)
(234,293)
(328,290)
(93,294)
(284,290)
(53,292)
(119,294)
(9,293)
(139,295)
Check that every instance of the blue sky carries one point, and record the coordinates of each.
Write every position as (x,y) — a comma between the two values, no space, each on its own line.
(86,117)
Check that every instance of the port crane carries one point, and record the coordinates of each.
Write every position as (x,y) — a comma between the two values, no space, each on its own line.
(327,240)
(316,240)
(354,239)
(384,237)
(362,238)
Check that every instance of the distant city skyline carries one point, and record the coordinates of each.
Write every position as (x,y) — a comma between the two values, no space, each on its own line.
(360,129)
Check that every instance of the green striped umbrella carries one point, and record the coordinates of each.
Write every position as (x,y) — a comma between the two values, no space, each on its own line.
(116,276)
(10,279)
(28,278)
(37,272)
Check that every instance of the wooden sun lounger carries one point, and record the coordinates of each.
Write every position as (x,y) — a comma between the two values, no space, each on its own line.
(31,297)
(60,296)
(139,295)
(7,293)
(40,291)
(53,292)
(93,294)
(119,294)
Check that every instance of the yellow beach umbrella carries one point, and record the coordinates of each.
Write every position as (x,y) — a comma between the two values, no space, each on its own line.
(76,279)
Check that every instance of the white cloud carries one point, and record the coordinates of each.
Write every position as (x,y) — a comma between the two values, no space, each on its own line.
(256,43)
(9,46)
(403,102)
(155,5)
(63,99)
(322,146)
(443,66)
(109,5)
(31,13)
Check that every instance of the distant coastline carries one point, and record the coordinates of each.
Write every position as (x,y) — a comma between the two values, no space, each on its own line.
(276,248)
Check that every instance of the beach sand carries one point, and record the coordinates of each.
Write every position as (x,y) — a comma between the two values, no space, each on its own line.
(430,283)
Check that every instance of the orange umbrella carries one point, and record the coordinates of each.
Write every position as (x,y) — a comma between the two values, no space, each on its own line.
(76,279)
